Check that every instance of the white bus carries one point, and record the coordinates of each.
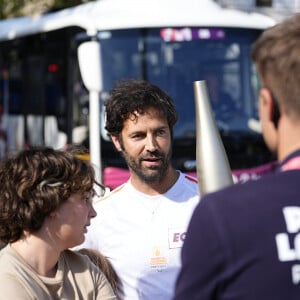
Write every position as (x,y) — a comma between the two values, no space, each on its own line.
(48,98)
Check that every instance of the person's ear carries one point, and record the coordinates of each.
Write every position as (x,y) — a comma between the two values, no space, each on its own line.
(275,114)
(269,106)
(266,115)
(115,140)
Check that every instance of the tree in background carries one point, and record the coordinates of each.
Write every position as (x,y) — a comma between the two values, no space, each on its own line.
(18,8)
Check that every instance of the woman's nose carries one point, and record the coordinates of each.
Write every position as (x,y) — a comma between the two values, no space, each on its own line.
(92,212)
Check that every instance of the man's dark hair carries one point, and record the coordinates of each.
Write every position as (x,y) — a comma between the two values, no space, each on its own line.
(133,96)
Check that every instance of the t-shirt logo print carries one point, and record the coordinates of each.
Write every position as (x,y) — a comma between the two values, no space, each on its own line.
(288,243)
(158,261)
(176,237)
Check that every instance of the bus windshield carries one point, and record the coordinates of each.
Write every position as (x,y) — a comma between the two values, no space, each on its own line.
(174,58)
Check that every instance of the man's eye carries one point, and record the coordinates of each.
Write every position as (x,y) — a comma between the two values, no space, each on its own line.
(161,132)
(137,136)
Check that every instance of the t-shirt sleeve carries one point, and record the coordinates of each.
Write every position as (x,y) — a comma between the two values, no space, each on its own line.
(86,276)
(202,256)
(104,289)
(11,288)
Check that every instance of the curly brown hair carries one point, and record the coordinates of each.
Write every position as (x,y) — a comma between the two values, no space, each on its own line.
(35,183)
(131,96)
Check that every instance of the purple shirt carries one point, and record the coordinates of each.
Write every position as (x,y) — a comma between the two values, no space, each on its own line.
(244,242)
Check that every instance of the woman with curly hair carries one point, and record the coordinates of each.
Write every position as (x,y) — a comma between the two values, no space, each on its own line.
(45,209)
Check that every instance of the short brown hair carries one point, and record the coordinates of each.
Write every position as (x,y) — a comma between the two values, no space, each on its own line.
(277,57)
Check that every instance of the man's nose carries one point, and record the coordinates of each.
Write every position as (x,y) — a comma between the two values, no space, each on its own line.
(151,143)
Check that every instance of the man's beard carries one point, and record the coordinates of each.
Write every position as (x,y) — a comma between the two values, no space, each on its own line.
(148,174)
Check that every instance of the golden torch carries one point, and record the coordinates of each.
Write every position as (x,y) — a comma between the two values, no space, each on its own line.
(213,170)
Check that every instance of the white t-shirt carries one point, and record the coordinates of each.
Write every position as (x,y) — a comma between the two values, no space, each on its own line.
(142,236)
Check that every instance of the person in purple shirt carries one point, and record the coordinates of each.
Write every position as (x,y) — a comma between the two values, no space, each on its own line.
(243,242)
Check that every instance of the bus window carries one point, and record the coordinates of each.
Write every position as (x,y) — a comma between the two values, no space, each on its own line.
(121,55)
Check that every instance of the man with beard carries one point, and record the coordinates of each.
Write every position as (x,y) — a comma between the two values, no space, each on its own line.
(141,225)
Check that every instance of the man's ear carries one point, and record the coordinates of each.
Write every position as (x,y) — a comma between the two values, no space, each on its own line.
(275,112)
(266,116)
(269,106)
(115,140)
(266,107)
